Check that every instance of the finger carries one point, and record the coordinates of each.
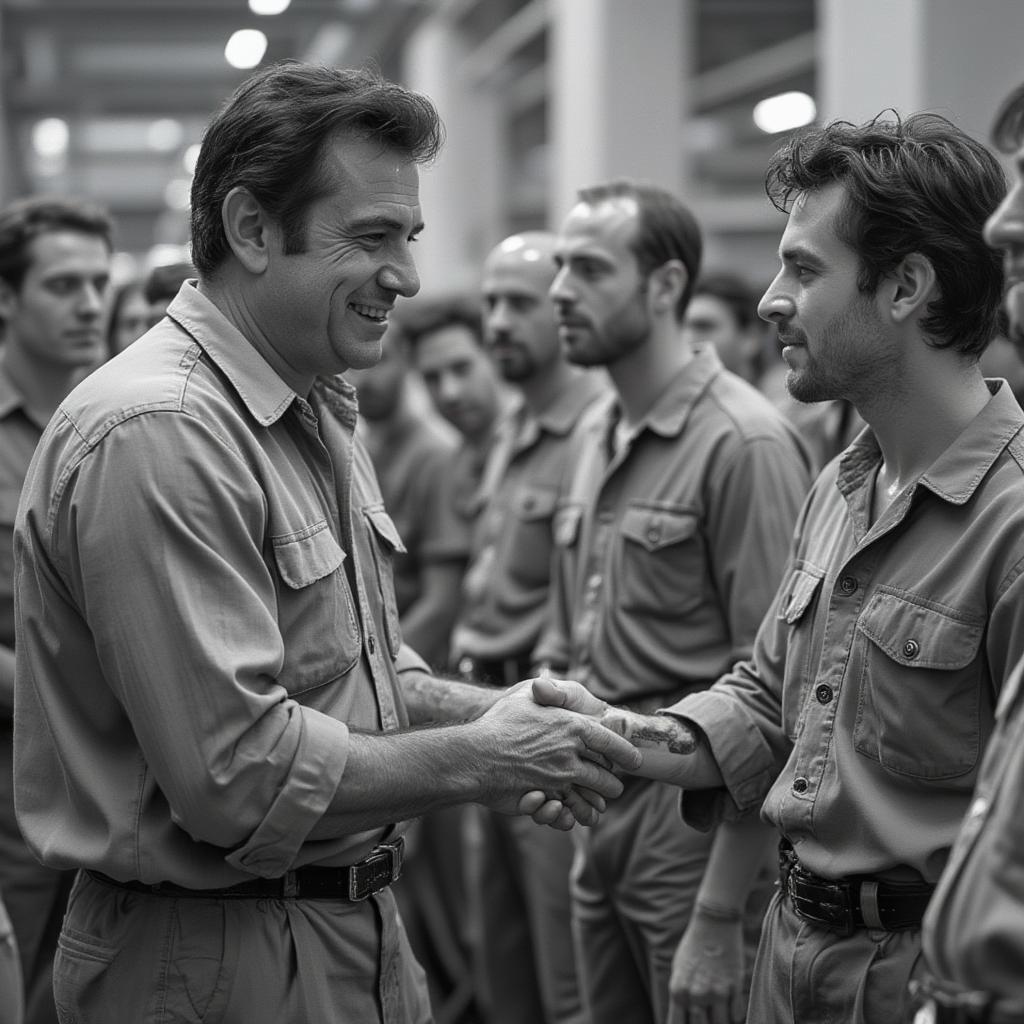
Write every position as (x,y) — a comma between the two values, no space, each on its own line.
(720,1010)
(582,809)
(589,776)
(565,693)
(530,802)
(565,821)
(598,759)
(621,752)
(737,1008)
(593,798)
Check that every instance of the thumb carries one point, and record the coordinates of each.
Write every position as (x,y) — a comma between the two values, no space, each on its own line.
(567,694)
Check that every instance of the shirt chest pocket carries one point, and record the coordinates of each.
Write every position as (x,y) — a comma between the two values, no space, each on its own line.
(661,568)
(919,690)
(529,541)
(387,545)
(316,613)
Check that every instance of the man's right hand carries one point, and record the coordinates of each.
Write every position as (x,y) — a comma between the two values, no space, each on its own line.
(566,759)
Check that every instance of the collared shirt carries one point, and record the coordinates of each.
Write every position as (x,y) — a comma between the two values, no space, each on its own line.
(860,720)
(411,471)
(973,933)
(203,611)
(669,551)
(505,590)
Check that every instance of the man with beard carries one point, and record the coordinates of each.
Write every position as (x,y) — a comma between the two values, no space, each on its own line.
(974,929)
(857,726)
(670,542)
(521,884)
(54,270)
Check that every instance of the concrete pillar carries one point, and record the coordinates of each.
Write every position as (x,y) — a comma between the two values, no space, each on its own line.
(955,57)
(618,74)
(460,191)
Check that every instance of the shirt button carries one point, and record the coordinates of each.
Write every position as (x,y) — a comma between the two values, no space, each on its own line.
(823,693)
(594,582)
(847,584)
(911,649)
(800,785)
(654,534)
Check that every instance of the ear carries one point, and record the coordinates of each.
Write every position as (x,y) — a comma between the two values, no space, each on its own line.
(247,229)
(666,284)
(911,286)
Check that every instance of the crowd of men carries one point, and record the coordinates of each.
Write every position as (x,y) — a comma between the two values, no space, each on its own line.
(573,651)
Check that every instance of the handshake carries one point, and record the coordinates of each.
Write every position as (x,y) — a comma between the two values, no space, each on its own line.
(558,751)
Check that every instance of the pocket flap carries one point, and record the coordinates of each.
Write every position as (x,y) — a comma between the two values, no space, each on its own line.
(801,587)
(536,503)
(919,635)
(385,528)
(658,528)
(304,558)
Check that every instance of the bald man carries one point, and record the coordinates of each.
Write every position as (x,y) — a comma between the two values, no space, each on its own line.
(525,966)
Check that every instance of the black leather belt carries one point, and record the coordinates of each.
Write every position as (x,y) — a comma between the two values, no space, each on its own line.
(496,672)
(354,883)
(845,904)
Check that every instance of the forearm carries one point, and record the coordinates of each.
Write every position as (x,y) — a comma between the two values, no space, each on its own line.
(740,853)
(672,751)
(431,699)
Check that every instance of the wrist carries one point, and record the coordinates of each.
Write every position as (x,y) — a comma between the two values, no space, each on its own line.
(718,912)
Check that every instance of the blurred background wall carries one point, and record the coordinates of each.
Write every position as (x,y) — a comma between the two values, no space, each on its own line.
(108,98)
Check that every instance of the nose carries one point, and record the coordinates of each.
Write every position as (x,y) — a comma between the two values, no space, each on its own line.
(400,275)
(776,304)
(496,319)
(560,291)
(91,300)
(1006,226)
(449,388)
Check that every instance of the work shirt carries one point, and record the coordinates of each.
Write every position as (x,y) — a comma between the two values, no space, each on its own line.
(668,551)
(860,720)
(974,929)
(204,610)
(19,435)
(505,590)
(411,472)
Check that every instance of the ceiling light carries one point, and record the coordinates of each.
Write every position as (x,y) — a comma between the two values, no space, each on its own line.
(50,137)
(783,112)
(245,48)
(268,6)
(164,134)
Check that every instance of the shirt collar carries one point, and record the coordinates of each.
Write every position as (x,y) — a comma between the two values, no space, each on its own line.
(670,412)
(561,415)
(956,474)
(264,393)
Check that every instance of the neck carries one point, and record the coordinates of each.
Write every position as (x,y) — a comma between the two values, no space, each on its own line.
(641,376)
(43,385)
(542,389)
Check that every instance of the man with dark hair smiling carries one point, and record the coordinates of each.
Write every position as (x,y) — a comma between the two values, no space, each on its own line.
(209,654)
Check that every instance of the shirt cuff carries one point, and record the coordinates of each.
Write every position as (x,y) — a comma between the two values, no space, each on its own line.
(320,759)
(741,753)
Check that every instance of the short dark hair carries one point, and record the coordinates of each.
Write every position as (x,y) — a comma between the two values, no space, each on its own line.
(666,229)
(920,185)
(163,282)
(270,136)
(421,317)
(732,291)
(1008,128)
(25,219)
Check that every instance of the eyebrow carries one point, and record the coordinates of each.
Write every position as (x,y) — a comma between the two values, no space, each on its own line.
(391,223)
(797,253)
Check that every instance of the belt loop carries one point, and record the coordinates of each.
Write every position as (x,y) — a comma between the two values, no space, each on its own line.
(869,905)
(289,885)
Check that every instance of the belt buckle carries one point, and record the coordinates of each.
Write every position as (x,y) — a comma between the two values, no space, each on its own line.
(382,867)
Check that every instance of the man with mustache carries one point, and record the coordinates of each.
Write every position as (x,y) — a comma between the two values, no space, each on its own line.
(521,882)
(974,928)
(54,271)
(857,726)
(669,543)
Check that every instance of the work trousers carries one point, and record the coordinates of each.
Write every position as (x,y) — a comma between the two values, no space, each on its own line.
(524,966)
(634,882)
(129,956)
(806,974)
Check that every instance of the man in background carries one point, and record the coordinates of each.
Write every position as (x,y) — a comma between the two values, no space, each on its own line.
(521,876)
(54,270)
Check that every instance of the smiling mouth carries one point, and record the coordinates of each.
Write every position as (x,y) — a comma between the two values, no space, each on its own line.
(378,314)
